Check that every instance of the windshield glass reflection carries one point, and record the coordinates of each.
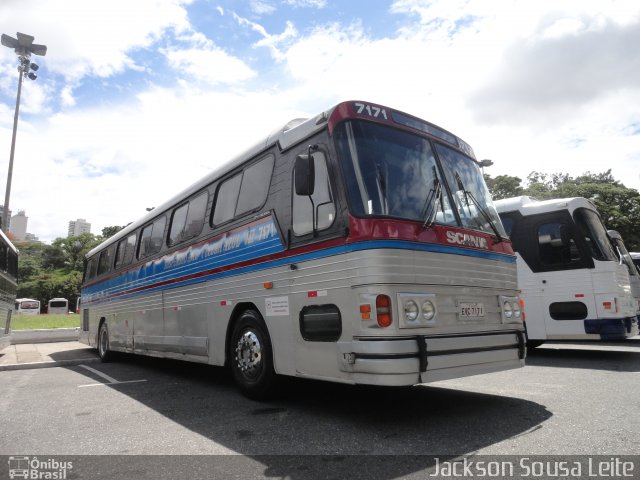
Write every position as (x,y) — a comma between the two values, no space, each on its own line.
(393,173)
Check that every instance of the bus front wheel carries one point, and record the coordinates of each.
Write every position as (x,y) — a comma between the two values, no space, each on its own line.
(251,357)
(103,343)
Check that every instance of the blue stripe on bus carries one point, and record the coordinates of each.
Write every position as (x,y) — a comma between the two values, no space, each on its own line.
(122,289)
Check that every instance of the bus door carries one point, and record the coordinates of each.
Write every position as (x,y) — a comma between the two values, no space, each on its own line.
(317,321)
(565,280)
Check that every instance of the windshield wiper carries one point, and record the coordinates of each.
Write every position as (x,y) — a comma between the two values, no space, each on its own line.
(468,195)
(430,208)
(381,182)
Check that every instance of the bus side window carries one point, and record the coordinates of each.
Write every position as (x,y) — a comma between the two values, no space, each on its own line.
(255,185)
(105,261)
(195,217)
(227,199)
(322,201)
(244,192)
(151,238)
(188,219)
(178,220)
(92,268)
(556,245)
(3,257)
(126,250)
(13,263)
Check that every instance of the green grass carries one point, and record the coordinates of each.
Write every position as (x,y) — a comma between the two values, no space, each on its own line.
(37,322)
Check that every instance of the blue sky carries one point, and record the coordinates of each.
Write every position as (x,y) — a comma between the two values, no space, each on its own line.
(136,100)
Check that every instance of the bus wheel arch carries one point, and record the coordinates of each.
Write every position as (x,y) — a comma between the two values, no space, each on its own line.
(250,353)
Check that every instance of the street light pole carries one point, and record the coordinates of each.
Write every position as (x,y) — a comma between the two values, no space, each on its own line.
(7,195)
(24,47)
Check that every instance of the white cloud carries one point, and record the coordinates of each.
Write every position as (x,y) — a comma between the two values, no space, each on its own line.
(271,41)
(209,64)
(66,97)
(557,75)
(306,3)
(109,164)
(95,38)
(260,7)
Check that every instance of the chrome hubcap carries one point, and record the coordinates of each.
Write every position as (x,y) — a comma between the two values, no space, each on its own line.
(248,353)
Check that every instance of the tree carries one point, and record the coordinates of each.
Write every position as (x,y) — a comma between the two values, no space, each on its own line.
(73,249)
(504,186)
(618,205)
(110,231)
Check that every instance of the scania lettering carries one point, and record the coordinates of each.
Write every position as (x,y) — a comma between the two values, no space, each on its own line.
(358,246)
(466,239)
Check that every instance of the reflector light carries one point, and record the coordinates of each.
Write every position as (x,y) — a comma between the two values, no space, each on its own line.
(268,285)
(606,305)
(366,308)
(579,295)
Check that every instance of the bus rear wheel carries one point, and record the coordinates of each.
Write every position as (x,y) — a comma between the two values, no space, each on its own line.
(251,357)
(105,354)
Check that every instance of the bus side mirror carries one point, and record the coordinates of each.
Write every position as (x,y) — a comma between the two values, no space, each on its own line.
(304,175)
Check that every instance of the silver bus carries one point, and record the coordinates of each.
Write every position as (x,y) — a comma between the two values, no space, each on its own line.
(358,246)
(8,287)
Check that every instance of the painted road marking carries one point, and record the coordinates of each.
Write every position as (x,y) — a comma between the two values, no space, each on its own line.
(110,380)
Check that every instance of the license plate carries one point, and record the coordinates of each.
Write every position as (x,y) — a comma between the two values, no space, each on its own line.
(471,309)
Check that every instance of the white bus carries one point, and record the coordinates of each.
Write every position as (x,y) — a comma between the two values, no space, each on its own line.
(359,246)
(27,306)
(8,287)
(571,280)
(625,257)
(58,305)
(635,256)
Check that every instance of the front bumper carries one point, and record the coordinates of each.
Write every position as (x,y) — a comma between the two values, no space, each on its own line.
(612,329)
(423,358)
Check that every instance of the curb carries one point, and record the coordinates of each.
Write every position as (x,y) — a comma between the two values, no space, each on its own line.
(45,336)
(59,363)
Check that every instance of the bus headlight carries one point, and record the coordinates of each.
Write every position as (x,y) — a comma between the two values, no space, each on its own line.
(410,310)
(417,310)
(507,309)
(517,312)
(428,310)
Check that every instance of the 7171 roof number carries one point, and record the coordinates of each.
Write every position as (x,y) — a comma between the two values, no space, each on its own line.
(371,110)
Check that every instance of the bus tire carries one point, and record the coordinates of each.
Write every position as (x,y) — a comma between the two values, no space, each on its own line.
(104,353)
(251,357)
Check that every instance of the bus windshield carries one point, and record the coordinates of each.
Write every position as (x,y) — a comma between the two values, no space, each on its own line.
(394,173)
(625,256)
(594,234)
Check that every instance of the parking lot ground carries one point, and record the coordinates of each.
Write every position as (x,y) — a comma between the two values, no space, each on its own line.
(39,355)
(568,400)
